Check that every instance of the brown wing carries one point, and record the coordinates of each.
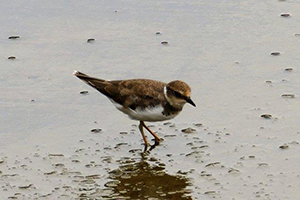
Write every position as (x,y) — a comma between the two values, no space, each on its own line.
(141,93)
(129,93)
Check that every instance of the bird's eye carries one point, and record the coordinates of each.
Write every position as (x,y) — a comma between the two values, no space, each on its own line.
(177,94)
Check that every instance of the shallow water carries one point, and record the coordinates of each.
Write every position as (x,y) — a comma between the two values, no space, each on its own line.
(222,49)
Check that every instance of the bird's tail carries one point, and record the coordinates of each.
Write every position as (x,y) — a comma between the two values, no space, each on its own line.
(92,81)
(83,76)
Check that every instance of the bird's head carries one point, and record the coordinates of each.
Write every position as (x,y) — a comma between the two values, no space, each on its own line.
(178,93)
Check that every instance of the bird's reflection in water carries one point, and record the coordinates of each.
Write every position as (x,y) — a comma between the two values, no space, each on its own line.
(143,180)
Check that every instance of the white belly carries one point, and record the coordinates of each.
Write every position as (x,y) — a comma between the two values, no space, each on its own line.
(148,114)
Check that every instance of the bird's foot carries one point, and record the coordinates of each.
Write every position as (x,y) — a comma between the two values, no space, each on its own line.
(152,147)
(147,149)
(156,143)
(146,145)
(158,140)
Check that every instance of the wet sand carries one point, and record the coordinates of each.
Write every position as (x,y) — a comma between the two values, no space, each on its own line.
(240,58)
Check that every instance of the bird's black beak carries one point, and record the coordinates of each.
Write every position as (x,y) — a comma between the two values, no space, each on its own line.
(190,102)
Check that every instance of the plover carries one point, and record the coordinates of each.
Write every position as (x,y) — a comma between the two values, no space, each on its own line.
(143,99)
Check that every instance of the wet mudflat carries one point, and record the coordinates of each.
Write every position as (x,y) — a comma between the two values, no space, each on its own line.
(183,166)
(61,139)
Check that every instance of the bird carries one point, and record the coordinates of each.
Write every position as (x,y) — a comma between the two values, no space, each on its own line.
(143,99)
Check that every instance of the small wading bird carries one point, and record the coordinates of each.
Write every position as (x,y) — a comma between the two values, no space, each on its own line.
(143,99)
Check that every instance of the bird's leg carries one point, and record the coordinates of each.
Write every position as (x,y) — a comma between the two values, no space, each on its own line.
(143,135)
(157,139)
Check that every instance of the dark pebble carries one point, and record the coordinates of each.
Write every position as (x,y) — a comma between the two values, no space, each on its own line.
(233,171)
(266,116)
(90,40)
(288,95)
(284,146)
(182,172)
(203,146)
(56,155)
(212,164)
(173,135)
(288,69)
(275,53)
(210,193)
(13,37)
(198,124)
(96,130)
(94,176)
(285,15)
(158,33)
(134,150)
(84,92)
(50,173)
(188,130)
(11,58)
(120,144)
(25,187)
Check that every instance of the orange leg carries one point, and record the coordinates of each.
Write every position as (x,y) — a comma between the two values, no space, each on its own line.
(143,135)
(157,139)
